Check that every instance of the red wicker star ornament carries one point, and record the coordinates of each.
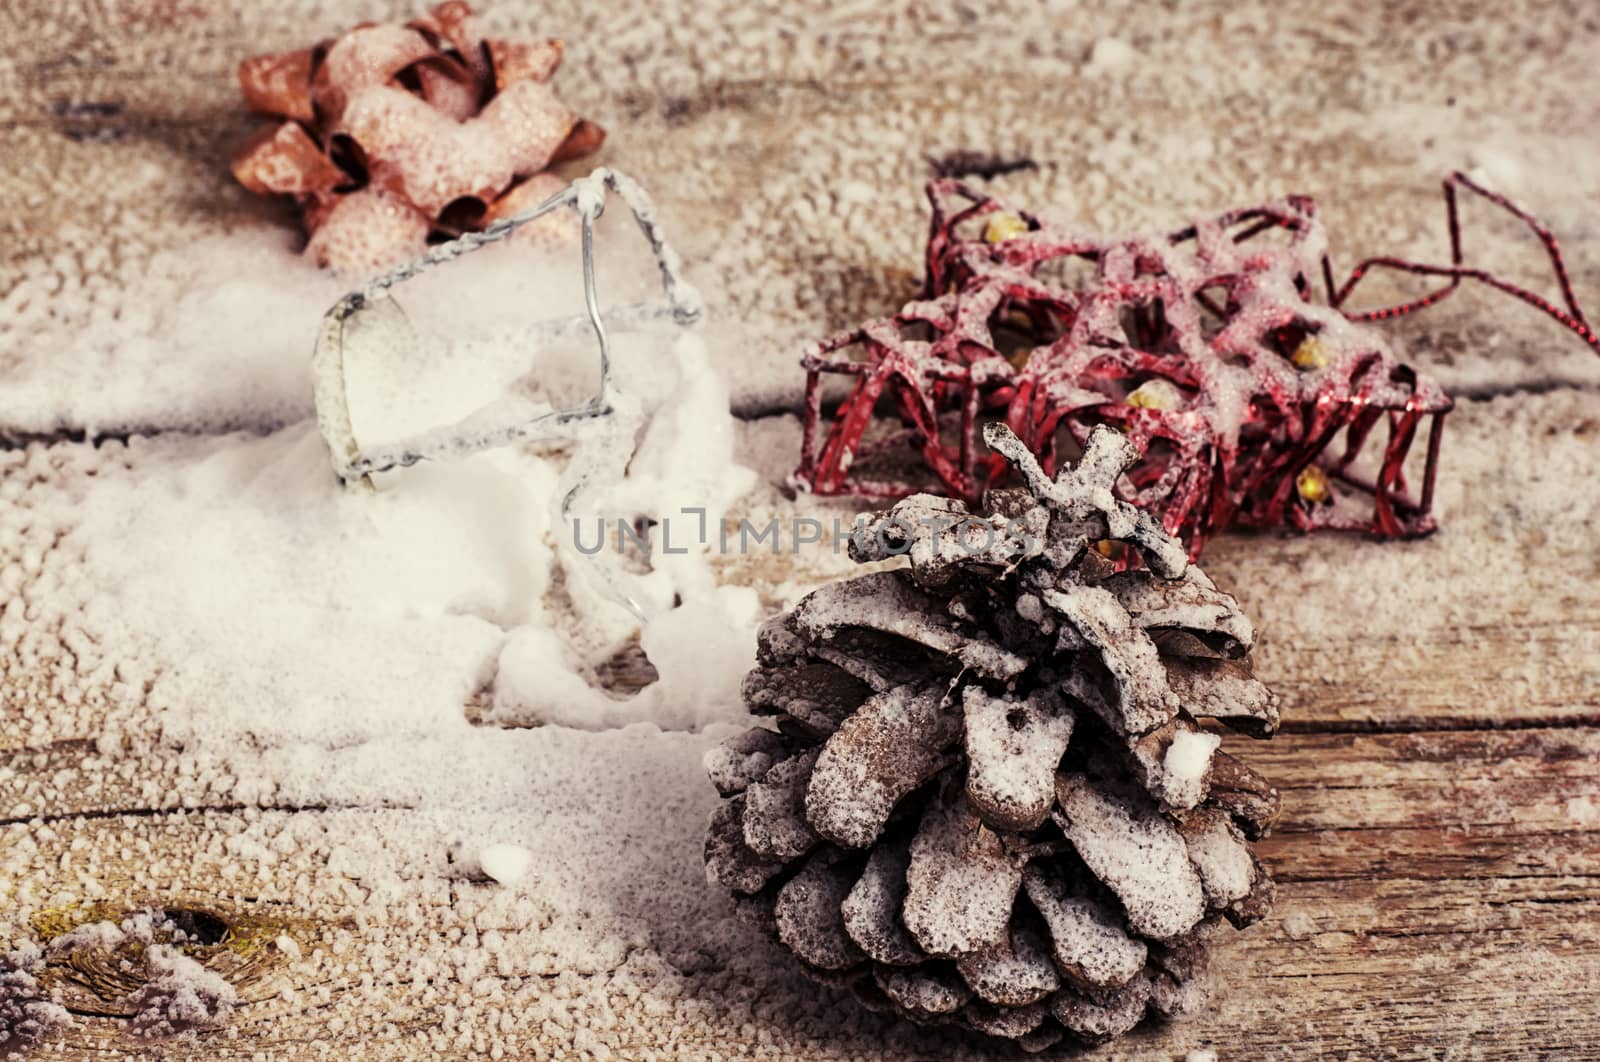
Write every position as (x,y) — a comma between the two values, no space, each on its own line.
(393,134)
(1249,402)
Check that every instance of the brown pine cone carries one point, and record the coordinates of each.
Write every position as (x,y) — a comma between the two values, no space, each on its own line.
(985,799)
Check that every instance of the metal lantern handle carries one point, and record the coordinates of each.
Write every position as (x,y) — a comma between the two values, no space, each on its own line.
(491,426)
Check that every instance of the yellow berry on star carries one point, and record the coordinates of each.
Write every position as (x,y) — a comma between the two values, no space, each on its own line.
(1003,227)
(1310,354)
(1156,394)
(1312,485)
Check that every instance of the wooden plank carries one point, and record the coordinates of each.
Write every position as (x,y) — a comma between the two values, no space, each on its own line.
(1493,622)
(1438,877)
(1422,869)
(1444,780)
(1422,877)
(801,165)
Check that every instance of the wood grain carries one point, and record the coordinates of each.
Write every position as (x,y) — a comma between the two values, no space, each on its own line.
(1438,893)
(1438,858)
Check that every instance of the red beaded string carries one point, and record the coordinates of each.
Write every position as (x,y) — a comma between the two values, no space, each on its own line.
(1572,317)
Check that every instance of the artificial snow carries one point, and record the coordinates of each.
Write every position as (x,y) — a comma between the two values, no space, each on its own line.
(213,337)
(1109,56)
(1186,765)
(279,605)
(119,319)
(102,936)
(1297,925)
(505,863)
(278,608)
(27,1015)
(179,996)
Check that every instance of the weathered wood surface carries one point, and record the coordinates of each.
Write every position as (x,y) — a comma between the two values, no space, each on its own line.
(1437,899)
(1439,874)
(788,144)
(1439,854)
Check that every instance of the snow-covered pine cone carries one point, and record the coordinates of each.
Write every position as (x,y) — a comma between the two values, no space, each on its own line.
(986,800)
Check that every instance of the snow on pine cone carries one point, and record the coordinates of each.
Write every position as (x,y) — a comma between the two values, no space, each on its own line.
(985,800)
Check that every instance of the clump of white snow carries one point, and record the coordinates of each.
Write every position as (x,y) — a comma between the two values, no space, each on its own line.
(98,936)
(26,1015)
(1298,925)
(210,337)
(181,996)
(280,605)
(137,927)
(1110,55)
(1187,763)
(1583,812)
(505,863)
(304,642)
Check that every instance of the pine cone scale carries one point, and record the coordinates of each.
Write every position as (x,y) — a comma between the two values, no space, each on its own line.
(1014,974)
(1014,747)
(872,910)
(807,912)
(775,824)
(1127,651)
(1137,853)
(729,861)
(1090,946)
(961,884)
(890,746)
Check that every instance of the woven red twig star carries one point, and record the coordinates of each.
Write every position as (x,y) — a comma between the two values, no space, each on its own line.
(1204,345)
